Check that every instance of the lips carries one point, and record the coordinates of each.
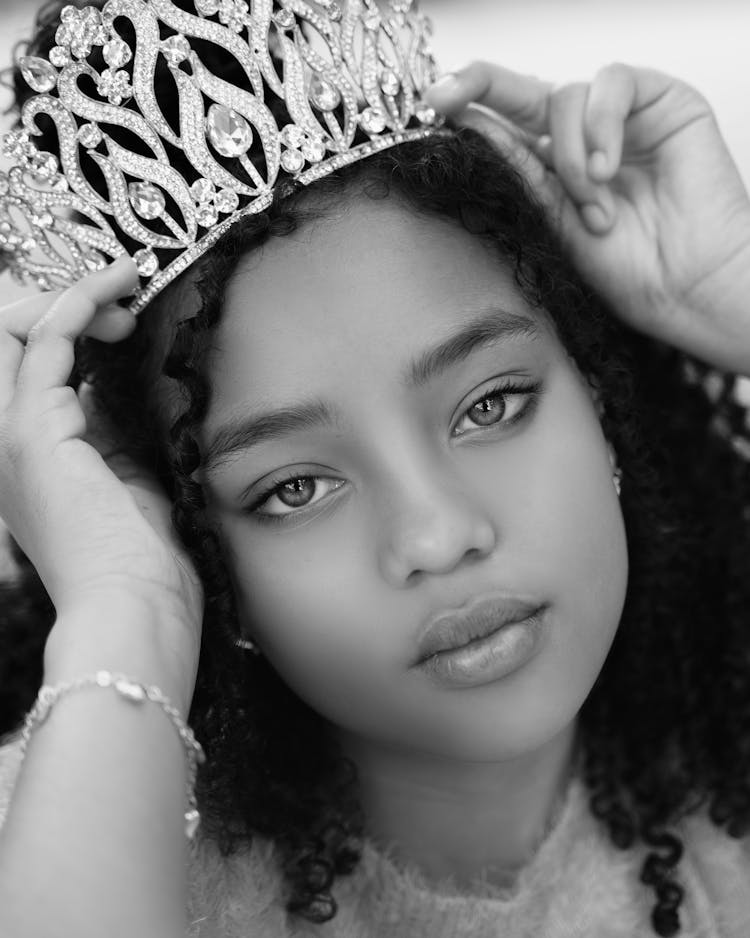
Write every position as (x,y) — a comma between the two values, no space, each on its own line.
(457,627)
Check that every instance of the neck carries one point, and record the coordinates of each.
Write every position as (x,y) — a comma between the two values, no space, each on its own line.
(462,820)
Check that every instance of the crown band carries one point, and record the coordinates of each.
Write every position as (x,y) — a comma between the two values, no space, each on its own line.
(353,75)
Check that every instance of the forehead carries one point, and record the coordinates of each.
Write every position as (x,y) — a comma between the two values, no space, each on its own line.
(368,287)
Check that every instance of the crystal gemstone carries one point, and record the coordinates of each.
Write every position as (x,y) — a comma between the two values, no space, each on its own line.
(43,165)
(146,262)
(228,131)
(292,136)
(146,199)
(38,73)
(90,135)
(207,7)
(176,49)
(94,260)
(202,190)
(227,201)
(284,18)
(130,690)
(59,57)
(314,151)
(207,214)
(292,161)
(389,82)
(425,114)
(323,94)
(117,53)
(44,220)
(372,122)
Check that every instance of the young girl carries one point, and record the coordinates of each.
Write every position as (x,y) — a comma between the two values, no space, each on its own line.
(456,602)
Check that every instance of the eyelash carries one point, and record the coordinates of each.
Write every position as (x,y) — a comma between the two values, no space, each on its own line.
(504,389)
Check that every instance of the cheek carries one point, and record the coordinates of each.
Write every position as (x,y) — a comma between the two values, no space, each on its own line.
(570,522)
(312,604)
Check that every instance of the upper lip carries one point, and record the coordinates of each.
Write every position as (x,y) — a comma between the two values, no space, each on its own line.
(453,628)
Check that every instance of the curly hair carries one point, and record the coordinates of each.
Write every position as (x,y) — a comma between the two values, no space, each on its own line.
(665,729)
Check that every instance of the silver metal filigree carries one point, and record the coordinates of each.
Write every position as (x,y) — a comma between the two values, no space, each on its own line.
(349,75)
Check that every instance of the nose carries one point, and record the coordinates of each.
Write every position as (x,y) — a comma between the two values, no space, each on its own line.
(433,528)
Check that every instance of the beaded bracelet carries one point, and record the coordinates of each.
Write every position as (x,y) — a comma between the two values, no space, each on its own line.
(137,693)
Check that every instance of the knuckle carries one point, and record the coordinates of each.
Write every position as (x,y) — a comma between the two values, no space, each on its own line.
(563,95)
(572,171)
(613,70)
(14,443)
(60,398)
(479,67)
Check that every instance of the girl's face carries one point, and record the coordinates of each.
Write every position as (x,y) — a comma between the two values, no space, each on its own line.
(397,451)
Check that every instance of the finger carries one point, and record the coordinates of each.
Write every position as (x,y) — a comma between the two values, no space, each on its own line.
(111,324)
(611,99)
(49,356)
(570,157)
(506,136)
(523,99)
(543,150)
(623,98)
(514,144)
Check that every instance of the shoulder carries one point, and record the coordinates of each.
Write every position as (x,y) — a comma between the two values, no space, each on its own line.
(719,866)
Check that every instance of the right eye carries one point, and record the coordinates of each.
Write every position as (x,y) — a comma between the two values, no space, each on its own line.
(292,494)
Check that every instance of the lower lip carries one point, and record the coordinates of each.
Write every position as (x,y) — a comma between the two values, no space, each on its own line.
(487,659)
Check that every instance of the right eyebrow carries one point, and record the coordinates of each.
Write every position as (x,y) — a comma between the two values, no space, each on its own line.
(241,432)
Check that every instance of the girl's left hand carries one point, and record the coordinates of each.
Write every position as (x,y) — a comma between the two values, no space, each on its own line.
(647,198)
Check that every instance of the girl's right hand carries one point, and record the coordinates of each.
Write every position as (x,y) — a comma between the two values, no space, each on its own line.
(96,530)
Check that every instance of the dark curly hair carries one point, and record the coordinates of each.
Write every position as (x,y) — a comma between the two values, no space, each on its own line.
(666,727)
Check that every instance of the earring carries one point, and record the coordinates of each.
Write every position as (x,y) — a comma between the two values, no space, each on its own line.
(246,645)
(617,479)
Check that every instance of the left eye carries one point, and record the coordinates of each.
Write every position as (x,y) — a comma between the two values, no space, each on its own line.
(293,494)
(499,406)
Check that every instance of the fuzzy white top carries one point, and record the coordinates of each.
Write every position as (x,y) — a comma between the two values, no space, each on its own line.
(577,885)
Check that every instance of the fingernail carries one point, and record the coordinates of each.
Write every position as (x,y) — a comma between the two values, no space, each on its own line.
(595,217)
(446,84)
(598,165)
(112,309)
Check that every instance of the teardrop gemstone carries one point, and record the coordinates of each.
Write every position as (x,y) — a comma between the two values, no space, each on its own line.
(146,199)
(323,94)
(228,131)
(38,73)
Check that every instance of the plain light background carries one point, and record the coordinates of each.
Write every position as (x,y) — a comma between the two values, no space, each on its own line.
(706,43)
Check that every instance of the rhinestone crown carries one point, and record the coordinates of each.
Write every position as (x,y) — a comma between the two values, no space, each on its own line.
(352,76)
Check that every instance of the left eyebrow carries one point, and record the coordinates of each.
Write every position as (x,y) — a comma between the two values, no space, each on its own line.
(247,430)
(489,327)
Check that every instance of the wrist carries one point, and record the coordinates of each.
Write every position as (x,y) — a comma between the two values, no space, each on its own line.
(149,641)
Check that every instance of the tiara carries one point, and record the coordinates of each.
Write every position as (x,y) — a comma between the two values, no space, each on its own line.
(351,80)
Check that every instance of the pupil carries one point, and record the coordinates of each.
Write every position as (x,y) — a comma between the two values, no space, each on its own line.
(488,411)
(297,493)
